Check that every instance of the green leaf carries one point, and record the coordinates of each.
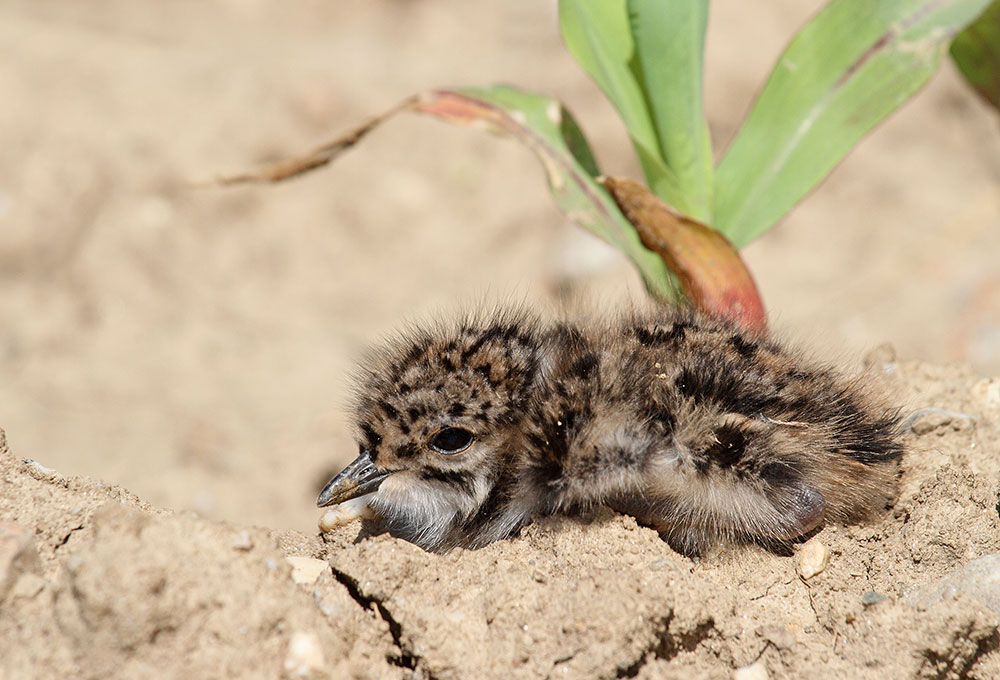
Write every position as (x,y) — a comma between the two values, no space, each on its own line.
(539,123)
(551,133)
(598,36)
(668,64)
(976,52)
(850,67)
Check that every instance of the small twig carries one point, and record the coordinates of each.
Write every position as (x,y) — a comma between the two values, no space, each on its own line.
(908,422)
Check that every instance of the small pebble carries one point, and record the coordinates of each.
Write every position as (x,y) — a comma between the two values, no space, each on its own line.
(779,636)
(243,541)
(345,513)
(305,570)
(39,469)
(929,420)
(882,357)
(304,654)
(755,671)
(663,564)
(987,390)
(329,520)
(929,423)
(813,558)
(871,597)
(979,581)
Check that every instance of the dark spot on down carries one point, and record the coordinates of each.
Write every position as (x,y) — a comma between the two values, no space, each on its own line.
(547,468)
(372,439)
(491,333)
(584,366)
(456,478)
(568,334)
(388,410)
(845,411)
(408,450)
(745,348)
(729,446)
(727,388)
(660,336)
(486,371)
(870,441)
(555,454)
(499,496)
(457,410)
(618,456)
(412,354)
(780,475)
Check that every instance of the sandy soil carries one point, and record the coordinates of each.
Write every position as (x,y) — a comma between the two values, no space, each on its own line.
(95,583)
(193,344)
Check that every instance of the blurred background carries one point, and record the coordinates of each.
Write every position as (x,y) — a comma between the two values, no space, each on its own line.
(194,344)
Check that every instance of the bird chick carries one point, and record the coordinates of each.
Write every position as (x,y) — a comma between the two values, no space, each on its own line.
(707,433)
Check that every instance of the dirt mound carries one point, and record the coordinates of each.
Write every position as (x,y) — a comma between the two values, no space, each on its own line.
(96,583)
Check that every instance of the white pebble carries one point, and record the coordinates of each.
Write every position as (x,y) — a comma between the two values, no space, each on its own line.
(304,654)
(39,468)
(243,541)
(755,671)
(345,513)
(813,558)
(306,570)
(987,390)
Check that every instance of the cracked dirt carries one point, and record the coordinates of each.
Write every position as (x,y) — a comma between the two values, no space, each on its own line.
(94,583)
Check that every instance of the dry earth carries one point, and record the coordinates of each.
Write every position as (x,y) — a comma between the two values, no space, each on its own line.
(94,583)
(193,345)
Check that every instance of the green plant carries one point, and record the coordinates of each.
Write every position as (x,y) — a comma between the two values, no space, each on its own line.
(976,52)
(853,64)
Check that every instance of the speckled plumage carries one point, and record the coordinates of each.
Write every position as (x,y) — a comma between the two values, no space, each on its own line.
(707,433)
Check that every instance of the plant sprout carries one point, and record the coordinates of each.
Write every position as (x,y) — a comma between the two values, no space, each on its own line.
(849,67)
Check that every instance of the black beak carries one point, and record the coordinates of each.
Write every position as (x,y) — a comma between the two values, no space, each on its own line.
(357,479)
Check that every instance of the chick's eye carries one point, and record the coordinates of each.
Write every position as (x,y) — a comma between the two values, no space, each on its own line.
(451,440)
